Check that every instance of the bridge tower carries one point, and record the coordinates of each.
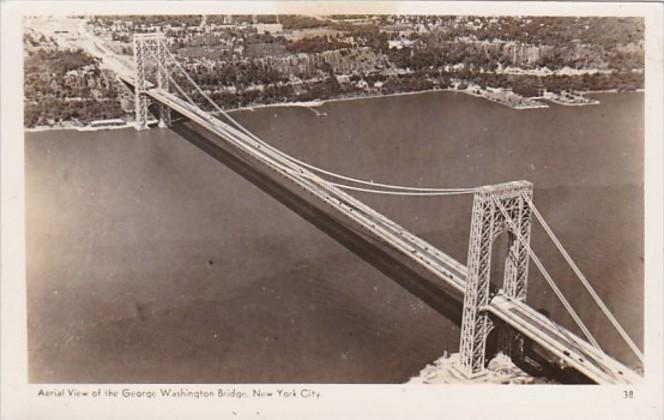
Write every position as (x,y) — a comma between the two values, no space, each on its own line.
(146,46)
(487,223)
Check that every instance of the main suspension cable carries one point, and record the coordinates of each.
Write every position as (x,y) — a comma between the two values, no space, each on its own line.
(308,165)
(225,128)
(547,276)
(426,191)
(583,279)
(400,193)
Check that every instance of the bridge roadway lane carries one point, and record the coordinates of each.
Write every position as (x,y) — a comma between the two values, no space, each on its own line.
(449,273)
(567,346)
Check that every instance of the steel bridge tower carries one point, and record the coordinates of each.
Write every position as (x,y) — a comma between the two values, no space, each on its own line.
(146,46)
(487,223)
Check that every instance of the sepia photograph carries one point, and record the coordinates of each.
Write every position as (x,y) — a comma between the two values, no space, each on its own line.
(407,198)
(289,198)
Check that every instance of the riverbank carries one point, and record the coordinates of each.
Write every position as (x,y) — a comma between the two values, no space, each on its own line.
(499,96)
(500,370)
(75,127)
(504,97)
(496,95)
(569,99)
(71,126)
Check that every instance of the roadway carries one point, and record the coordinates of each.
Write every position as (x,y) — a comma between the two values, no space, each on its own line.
(407,248)
(447,274)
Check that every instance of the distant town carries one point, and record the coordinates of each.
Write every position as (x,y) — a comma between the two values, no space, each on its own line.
(257,60)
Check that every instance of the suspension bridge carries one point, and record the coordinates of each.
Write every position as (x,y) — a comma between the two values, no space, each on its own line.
(464,291)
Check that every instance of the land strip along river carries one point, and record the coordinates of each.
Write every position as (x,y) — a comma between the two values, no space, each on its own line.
(149,261)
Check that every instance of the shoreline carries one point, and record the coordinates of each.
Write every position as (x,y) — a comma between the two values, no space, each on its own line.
(76,128)
(319,103)
(500,370)
(483,95)
(39,129)
(312,105)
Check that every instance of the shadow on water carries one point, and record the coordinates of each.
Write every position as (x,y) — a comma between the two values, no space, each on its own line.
(536,361)
(412,281)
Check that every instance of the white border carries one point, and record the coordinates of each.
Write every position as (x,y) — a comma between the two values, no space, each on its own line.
(18,399)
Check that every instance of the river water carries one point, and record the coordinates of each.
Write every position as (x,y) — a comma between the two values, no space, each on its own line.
(149,261)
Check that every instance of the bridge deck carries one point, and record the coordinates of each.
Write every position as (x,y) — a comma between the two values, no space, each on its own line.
(572,350)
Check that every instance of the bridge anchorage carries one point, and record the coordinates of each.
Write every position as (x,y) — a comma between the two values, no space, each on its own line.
(497,209)
(488,222)
(150,44)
